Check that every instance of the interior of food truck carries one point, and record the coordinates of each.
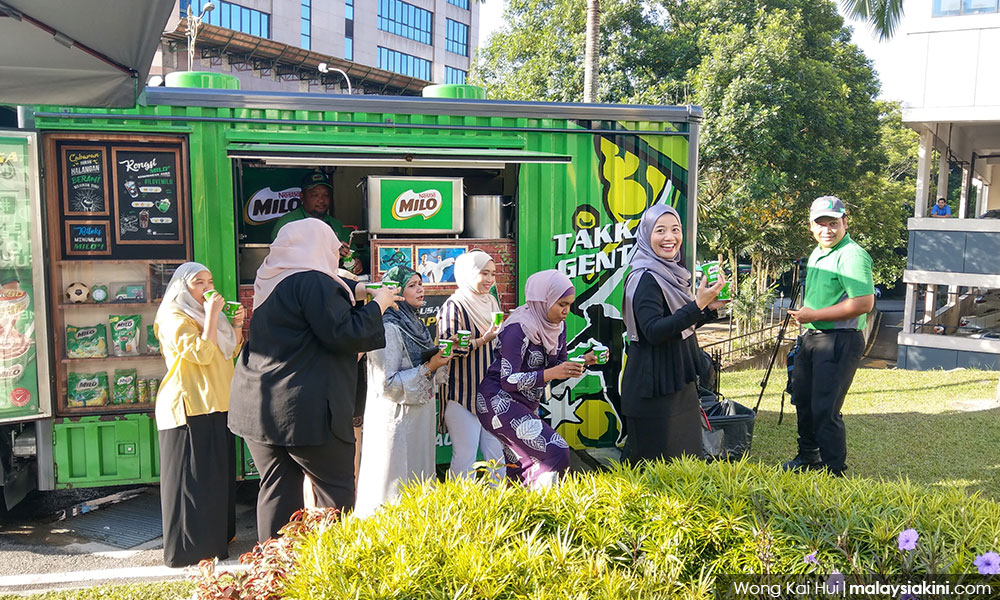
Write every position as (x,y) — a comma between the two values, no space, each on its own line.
(265,191)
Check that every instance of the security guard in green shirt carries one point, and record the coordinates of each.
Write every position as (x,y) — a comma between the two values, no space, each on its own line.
(317,195)
(839,294)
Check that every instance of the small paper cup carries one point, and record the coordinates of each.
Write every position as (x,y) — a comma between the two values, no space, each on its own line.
(602,354)
(464,338)
(445,346)
(497,318)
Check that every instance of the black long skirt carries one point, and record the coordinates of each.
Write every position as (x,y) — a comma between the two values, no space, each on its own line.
(197,490)
(668,428)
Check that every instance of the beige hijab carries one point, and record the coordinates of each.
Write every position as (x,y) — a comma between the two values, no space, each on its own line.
(305,245)
(479,306)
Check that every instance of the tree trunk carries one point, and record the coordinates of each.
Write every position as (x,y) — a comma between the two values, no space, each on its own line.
(592,51)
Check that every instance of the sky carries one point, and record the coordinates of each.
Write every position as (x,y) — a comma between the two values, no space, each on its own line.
(888,61)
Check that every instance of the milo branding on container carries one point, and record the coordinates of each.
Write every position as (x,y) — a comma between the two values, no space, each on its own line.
(711,271)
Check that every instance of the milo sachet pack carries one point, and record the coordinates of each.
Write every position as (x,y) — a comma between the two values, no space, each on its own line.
(123,391)
(152,344)
(87,389)
(86,342)
(125,334)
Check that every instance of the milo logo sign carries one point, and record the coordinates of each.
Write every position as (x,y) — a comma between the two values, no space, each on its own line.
(12,372)
(125,324)
(87,384)
(125,380)
(267,205)
(415,205)
(86,333)
(411,204)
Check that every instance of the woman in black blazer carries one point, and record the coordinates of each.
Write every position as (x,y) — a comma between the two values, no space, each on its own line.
(659,394)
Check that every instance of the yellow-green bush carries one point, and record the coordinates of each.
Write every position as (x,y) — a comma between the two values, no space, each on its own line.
(660,532)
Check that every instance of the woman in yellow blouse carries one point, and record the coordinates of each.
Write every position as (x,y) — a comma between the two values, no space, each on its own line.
(197,451)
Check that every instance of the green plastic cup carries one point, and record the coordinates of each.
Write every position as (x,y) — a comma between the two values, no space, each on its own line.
(371,287)
(602,353)
(711,271)
(231,308)
(497,318)
(446,347)
(464,338)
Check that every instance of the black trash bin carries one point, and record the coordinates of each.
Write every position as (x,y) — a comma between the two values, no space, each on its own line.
(731,428)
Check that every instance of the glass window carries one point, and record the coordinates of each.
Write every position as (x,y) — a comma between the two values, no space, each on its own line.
(406,20)
(453,75)
(456,37)
(949,8)
(404,64)
(970,7)
(305,40)
(460,3)
(349,9)
(349,48)
(232,16)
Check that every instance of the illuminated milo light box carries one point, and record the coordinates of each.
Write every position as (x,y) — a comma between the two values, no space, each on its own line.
(415,205)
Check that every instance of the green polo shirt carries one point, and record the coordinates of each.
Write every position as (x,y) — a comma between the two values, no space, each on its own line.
(343,233)
(834,275)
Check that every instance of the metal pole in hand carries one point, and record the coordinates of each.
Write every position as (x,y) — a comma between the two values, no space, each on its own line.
(781,334)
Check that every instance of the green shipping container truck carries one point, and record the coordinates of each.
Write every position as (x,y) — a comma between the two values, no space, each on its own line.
(99,198)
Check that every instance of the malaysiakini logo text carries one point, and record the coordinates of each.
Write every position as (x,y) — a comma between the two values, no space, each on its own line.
(410,204)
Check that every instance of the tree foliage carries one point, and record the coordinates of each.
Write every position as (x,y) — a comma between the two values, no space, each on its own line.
(789,104)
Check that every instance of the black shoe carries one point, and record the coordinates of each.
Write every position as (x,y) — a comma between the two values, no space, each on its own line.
(839,472)
(803,463)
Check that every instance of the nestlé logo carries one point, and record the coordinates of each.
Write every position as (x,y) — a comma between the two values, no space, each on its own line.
(409,204)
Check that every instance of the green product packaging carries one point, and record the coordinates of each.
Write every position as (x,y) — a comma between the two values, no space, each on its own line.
(87,389)
(123,391)
(86,342)
(125,334)
(711,271)
(152,344)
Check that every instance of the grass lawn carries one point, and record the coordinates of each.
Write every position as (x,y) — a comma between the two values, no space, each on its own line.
(899,424)
(169,590)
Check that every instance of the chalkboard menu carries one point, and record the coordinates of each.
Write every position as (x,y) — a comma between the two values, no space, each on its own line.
(147,207)
(85,185)
(124,200)
(87,238)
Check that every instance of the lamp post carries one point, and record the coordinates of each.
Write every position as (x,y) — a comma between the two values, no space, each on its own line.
(193,23)
(325,68)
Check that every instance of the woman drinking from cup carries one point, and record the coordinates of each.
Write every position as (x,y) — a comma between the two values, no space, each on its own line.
(197,452)
(398,445)
(531,352)
(659,396)
(468,315)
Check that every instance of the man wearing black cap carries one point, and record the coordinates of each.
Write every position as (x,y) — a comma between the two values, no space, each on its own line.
(839,294)
(317,195)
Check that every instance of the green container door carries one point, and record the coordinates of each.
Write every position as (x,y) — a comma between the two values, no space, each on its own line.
(97,451)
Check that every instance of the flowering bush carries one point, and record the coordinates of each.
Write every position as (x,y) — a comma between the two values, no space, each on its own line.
(665,531)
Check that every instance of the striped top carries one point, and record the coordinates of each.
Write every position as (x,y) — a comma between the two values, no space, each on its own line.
(466,371)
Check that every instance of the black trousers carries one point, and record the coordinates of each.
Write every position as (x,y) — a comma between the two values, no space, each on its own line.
(197,490)
(669,427)
(282,469)
(824,370)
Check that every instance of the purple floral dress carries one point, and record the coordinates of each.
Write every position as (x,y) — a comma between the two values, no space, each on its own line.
(507,405)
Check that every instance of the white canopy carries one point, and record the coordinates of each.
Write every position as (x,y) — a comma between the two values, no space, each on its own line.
(78,52)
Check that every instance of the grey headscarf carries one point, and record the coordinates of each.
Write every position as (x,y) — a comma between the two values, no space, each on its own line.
(673,279)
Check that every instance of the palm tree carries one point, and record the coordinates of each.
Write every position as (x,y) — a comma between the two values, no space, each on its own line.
(883,16)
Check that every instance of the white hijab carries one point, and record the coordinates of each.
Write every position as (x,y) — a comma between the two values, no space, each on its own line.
(304,245)
(479,306)
(178,297)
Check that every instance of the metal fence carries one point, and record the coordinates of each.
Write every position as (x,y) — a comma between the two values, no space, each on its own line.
(739,347)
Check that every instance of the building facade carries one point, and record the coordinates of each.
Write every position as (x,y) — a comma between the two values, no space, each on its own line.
(430,41)
(952,303)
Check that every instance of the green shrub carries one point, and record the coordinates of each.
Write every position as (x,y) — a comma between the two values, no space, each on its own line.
(168,590)
(660,532)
